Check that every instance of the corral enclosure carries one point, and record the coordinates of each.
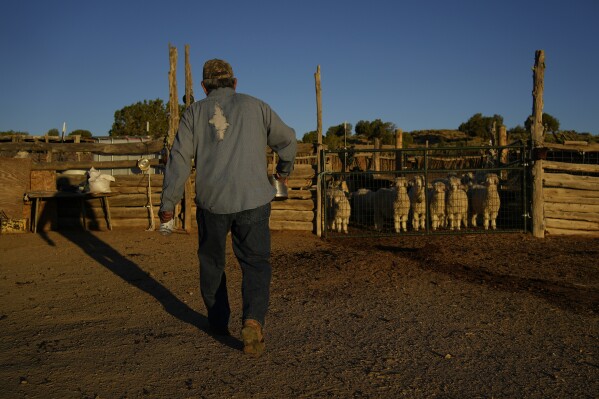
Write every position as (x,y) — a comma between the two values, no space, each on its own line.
(570,193)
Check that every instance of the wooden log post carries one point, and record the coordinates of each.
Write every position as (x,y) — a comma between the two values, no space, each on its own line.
(320,162)
(398,146)
(187,194)
(376,156)
(173,103)
(503,155)
(537,133)
(49,152)
(173,120)
(77,140)
(188,79)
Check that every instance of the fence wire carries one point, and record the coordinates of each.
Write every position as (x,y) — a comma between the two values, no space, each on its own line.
(451,190)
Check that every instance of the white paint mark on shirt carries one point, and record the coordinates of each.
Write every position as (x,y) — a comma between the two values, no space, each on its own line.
(220,122)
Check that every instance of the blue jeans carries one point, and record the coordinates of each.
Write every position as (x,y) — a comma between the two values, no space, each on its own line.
(251,244)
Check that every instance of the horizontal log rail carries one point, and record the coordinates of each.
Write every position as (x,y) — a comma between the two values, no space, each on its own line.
(571,167)
(590,147)
(65,165)
(148,147)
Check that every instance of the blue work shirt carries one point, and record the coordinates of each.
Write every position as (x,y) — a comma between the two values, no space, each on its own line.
(227,133)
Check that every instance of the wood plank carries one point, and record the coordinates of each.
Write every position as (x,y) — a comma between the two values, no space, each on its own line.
(567,232)
(302,184)
(570,181)
(560,192)
(589,147)
(572,167)
(65,165)
(43,180)
(129,180)
(572,224)
(137,189)
(144,148)
(14,181)
(567,199)
(285,214)
(298,205)
(131,200)
(567,207)
(301,194)
(291,225)
(570,215)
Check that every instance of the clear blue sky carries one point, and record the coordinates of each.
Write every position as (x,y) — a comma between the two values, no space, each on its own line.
(428,64)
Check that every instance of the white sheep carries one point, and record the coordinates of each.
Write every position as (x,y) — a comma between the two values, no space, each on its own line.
(339,208)
(457,204)
(392,203)
(417,194)
(485,201)
(437,205)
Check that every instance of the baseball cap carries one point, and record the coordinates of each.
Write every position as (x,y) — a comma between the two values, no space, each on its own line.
(217,69)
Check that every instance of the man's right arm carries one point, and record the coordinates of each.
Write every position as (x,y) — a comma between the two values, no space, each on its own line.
(281,138)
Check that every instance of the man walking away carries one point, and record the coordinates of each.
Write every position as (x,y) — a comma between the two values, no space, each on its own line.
(227,134)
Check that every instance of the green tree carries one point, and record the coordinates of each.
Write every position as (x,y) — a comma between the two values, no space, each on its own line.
(364,129)
(518,132)
(385,131)
(342,130)
(337,136)
(133,119)
(481,126)
(310,137)
(53,132)
(13,133)
(550,123)
(81,132)
(333,141)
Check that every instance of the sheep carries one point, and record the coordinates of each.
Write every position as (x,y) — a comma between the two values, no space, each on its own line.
(437,205)
(339,206)
(392,203)
(467,180)
(417,194)
(486,202)
(362,204)
(457,204)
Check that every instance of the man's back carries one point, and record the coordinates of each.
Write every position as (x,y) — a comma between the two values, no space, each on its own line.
(227,134)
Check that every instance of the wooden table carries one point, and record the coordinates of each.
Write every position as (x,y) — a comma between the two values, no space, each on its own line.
(37,196)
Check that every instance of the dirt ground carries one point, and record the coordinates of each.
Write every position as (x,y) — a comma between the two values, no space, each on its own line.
(118,315)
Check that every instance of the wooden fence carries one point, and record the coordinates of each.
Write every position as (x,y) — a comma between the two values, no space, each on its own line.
(130,205)
(571,190)
(570,197)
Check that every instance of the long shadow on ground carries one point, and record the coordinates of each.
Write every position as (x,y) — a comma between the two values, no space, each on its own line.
(133,274)
(575,298)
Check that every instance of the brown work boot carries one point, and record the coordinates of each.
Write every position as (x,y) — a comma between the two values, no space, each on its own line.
(253,339)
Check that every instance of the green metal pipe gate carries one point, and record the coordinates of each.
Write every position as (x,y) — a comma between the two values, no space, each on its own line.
(352,178)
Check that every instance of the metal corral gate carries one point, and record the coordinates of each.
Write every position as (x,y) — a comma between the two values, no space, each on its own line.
(449,190)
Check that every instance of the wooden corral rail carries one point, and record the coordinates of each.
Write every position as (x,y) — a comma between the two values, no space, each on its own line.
(130,206)
(571,198)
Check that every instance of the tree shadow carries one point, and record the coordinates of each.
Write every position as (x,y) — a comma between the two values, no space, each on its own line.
(567,296)
(134,275)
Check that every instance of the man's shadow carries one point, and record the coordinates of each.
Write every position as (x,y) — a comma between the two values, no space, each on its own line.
(134,275)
